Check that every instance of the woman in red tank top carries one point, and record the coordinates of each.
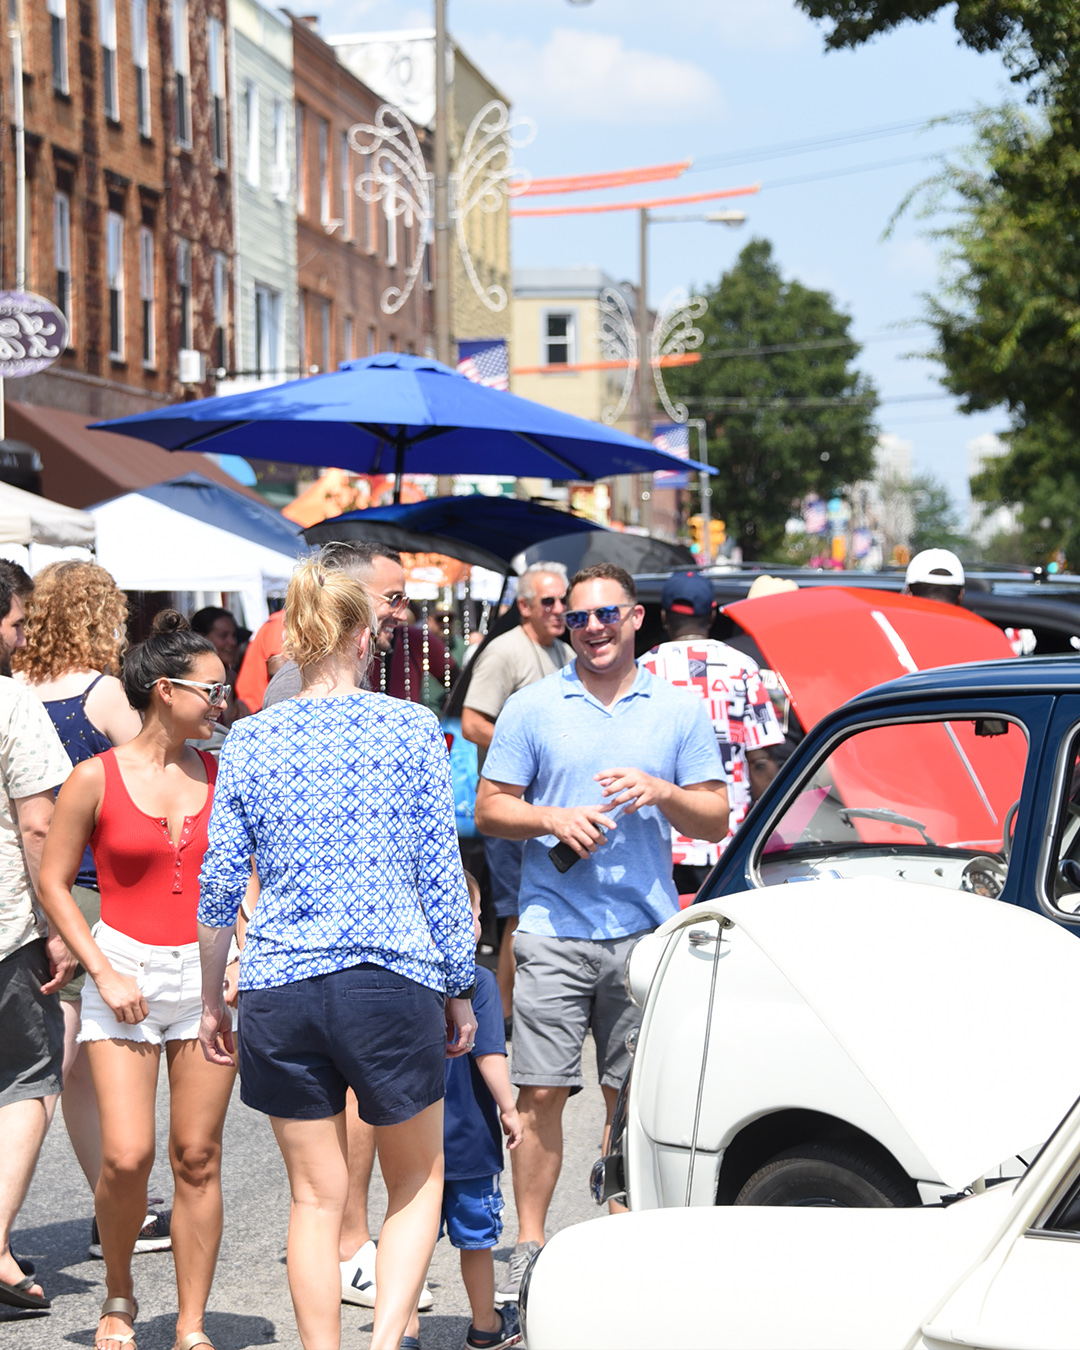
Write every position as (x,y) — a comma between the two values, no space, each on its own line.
(143,809)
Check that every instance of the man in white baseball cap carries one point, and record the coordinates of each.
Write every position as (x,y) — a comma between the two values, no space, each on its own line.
(935,574)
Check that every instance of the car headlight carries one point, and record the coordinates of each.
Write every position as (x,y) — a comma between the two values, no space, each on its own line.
(641,964)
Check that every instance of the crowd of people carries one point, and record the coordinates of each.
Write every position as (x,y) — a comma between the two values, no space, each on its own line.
(294,911)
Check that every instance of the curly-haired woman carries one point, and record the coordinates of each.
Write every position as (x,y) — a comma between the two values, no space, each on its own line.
(76,619)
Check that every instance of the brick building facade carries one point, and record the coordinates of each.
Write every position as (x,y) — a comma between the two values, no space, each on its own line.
(125,108)
(349,252)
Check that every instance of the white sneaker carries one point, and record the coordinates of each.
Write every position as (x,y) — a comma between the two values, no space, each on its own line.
(358,1281)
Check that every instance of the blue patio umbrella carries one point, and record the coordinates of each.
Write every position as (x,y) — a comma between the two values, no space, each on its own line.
(484,531)
(396,413)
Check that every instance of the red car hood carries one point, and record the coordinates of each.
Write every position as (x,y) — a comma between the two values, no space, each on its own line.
(827,645)
(832,642)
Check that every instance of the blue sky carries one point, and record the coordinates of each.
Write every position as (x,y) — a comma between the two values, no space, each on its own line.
(619,83)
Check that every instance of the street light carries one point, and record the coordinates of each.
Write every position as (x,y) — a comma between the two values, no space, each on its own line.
(733,218)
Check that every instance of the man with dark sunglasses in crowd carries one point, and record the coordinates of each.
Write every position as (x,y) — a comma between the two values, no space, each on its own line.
(510,662)
(604,758)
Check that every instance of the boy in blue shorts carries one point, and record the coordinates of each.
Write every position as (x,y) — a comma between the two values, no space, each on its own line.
(479,1102)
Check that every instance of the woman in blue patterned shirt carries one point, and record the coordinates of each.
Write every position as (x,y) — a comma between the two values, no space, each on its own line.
(357,967)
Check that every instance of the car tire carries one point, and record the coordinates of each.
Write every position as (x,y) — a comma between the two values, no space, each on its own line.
(829,1175)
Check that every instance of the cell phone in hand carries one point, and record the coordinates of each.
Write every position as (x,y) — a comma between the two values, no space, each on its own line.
(564,857)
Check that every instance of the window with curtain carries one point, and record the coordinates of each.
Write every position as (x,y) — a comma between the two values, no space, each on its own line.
(146,294)
(107,35)
(324,171)
(221,308)
(58,43)
(251,132)
(62,251)
(301,163)
(280,179)
(114,269)
(183,281)
(182,72)
(215,34)
(140,55)
(346,186)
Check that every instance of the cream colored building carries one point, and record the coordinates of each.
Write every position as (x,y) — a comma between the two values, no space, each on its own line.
(400,68)
(556,323)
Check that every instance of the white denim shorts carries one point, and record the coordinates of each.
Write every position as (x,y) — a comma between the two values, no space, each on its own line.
(170,979)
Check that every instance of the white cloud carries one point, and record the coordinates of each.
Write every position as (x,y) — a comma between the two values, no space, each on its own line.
(595,77)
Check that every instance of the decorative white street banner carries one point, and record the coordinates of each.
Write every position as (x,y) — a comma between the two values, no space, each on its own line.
(33,333)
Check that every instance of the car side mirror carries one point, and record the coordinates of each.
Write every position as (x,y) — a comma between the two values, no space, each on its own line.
(1069,873)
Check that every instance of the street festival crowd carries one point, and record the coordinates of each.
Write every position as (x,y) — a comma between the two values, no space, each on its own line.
(293,909)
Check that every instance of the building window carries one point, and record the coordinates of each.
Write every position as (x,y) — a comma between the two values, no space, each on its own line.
(251,129)
(62,251)
(372,340)
(280,176)
(324,171)
(114,267)
(391,225)
(558,338)
(140,55)
(325,316)
(58,38)
(107,36)
(221,292)
(216,61)
(268,359)
(183,281)
(346,187)
(146,294)
(182,70)
(301,332)
(301,164)
(350,338)
(371,243)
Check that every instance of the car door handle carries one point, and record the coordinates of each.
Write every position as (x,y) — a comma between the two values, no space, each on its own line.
(698,937)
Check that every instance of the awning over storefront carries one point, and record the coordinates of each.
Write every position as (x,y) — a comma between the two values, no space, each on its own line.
(81,467)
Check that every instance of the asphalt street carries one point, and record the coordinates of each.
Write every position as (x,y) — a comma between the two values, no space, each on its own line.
(249,1304)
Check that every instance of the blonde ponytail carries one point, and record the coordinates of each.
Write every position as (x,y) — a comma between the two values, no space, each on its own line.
(324,609)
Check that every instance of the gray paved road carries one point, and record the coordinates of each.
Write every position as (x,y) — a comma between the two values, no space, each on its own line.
(249,1304)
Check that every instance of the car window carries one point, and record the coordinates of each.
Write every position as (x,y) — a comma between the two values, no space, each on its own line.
(932,801)
(1062,884)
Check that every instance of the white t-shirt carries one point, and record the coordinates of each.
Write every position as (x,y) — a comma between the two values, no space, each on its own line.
(741,713)
(32,760)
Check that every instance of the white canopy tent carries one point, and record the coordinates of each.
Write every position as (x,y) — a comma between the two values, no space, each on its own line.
(35,531)
(150,547)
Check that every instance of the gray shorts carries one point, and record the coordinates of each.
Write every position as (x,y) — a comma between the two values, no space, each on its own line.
(563,987)
(32,1046)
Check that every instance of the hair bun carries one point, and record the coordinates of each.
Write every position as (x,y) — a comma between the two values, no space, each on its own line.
(170,621)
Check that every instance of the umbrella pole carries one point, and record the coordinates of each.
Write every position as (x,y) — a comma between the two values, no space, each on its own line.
(399,466)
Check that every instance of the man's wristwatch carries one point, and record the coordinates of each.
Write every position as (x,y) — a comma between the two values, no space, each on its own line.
(469,992)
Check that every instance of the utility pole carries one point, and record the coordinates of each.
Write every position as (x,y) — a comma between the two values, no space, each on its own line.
(443,279)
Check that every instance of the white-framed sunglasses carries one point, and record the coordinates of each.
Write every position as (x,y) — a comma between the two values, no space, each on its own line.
(215,693)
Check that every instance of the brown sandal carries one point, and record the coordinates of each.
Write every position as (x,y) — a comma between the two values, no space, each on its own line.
(192,1339)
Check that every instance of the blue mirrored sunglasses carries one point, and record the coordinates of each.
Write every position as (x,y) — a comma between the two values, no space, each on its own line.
(605,614)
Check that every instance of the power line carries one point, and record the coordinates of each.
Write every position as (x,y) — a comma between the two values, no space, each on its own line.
(782,149)
(810,345)
(856,168)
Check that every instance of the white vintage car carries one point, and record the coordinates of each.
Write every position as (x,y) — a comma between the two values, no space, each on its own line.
(941,1029)
(998,1270)
(842,1043)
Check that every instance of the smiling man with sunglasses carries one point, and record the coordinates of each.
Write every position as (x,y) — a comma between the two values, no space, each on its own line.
(605,758)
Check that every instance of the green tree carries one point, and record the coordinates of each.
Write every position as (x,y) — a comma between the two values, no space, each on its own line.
(780,425)
(1038,39)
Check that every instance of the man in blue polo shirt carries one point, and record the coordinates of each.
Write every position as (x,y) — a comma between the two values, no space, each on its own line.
(605,758)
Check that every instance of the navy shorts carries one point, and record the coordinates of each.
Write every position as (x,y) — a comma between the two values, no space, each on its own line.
(504,858)
(301,1045)
(472,1213)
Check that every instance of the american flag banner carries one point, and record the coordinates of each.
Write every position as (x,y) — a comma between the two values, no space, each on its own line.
(674,439)
(485,361)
